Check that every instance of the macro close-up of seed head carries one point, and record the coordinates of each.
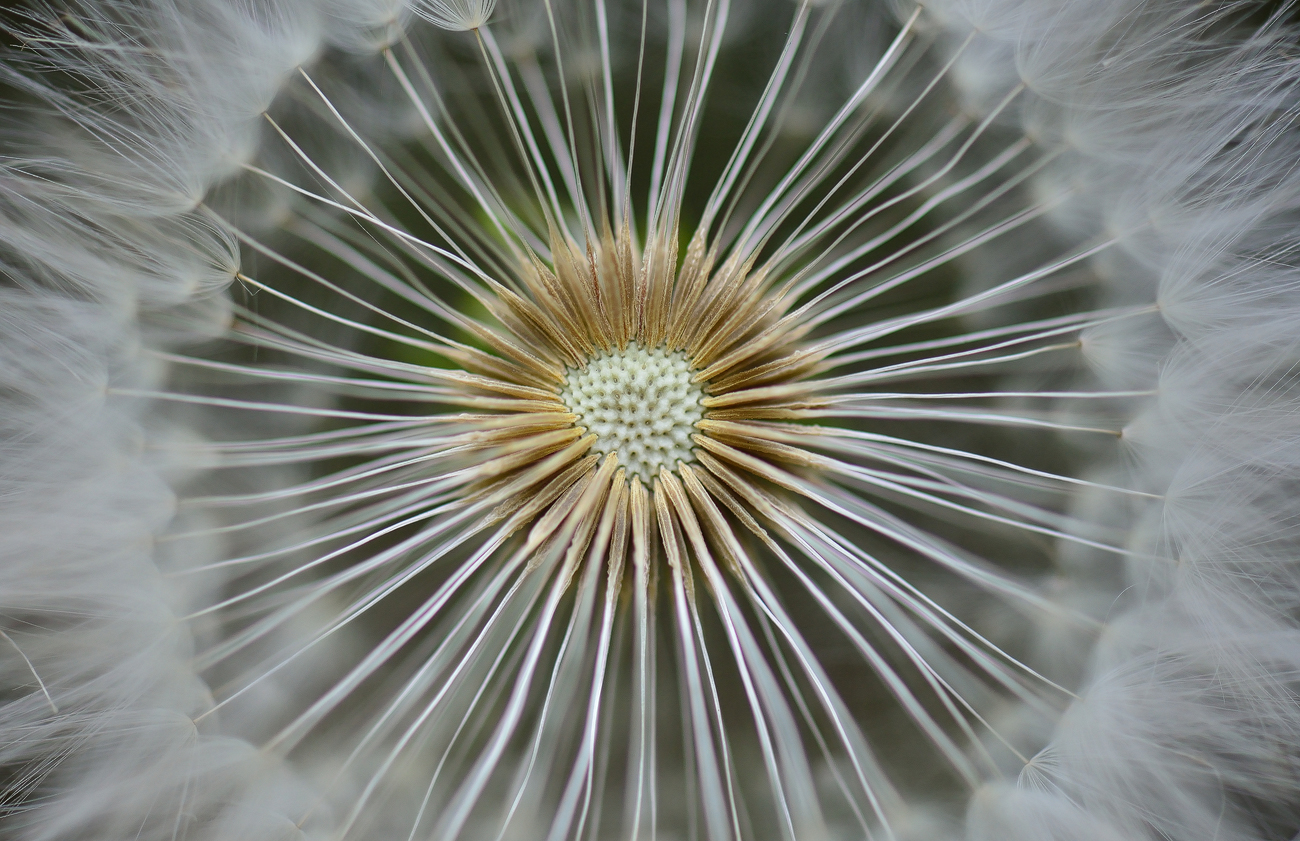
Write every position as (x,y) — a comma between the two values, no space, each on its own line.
(691,420)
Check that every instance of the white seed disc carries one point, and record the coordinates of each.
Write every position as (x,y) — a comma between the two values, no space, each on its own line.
(639,403)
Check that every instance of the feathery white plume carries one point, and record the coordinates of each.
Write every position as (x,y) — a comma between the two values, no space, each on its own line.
(649,420)
(455,15)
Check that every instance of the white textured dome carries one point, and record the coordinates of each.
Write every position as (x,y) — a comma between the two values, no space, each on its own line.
(640,403)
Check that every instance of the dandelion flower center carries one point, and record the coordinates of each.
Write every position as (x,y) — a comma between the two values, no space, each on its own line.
(627,500)
(640,403)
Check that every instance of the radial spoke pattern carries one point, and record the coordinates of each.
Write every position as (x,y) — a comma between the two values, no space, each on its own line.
(525,634)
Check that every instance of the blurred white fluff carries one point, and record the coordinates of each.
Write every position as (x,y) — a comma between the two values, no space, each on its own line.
(103,250)
(1185,150)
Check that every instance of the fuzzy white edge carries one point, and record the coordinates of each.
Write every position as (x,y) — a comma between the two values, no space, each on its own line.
(1187,694)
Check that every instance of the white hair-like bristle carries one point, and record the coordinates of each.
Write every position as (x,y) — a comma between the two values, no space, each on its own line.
(1172,126)
(455,15)
(1186,149)
(106,257)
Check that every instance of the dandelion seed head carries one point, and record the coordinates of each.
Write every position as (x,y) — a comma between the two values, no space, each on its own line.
(640,403)
(694,419)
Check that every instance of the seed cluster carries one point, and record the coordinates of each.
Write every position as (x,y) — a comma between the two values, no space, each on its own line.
(640,403)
